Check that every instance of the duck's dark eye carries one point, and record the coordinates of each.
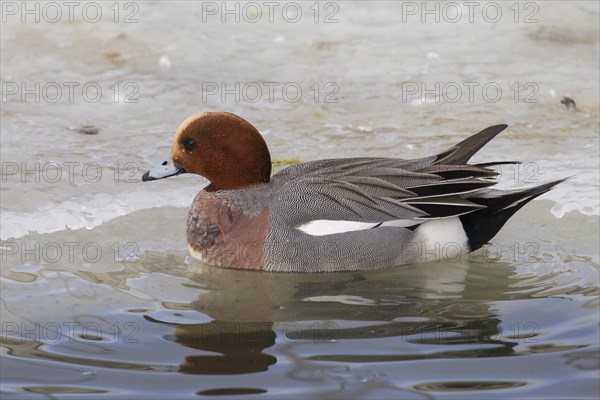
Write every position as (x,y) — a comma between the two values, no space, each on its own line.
(189,144)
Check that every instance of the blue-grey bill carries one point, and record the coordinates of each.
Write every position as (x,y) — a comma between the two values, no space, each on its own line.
(163,170)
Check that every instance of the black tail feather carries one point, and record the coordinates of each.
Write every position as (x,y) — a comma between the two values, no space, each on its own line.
(463,151)
(482,225)
(494,163)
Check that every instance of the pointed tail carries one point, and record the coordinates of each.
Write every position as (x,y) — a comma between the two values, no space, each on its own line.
(482,225)
(463,151)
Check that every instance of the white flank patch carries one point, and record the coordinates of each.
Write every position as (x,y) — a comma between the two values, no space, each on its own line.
(403,223)
(441,239)
(322,227)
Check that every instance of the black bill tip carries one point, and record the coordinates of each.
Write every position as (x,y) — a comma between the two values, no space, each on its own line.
(147,177)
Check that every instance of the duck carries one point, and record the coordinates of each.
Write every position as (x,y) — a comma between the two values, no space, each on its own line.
(338,214)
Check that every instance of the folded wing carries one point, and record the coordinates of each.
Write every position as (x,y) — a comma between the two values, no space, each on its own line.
(379,190)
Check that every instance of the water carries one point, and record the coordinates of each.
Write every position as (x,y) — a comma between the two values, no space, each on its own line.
(99,298)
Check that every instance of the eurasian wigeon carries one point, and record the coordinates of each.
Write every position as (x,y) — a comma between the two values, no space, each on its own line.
(334,214)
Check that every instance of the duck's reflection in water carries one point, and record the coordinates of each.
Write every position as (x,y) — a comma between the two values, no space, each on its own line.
(444,305)
(238,347)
